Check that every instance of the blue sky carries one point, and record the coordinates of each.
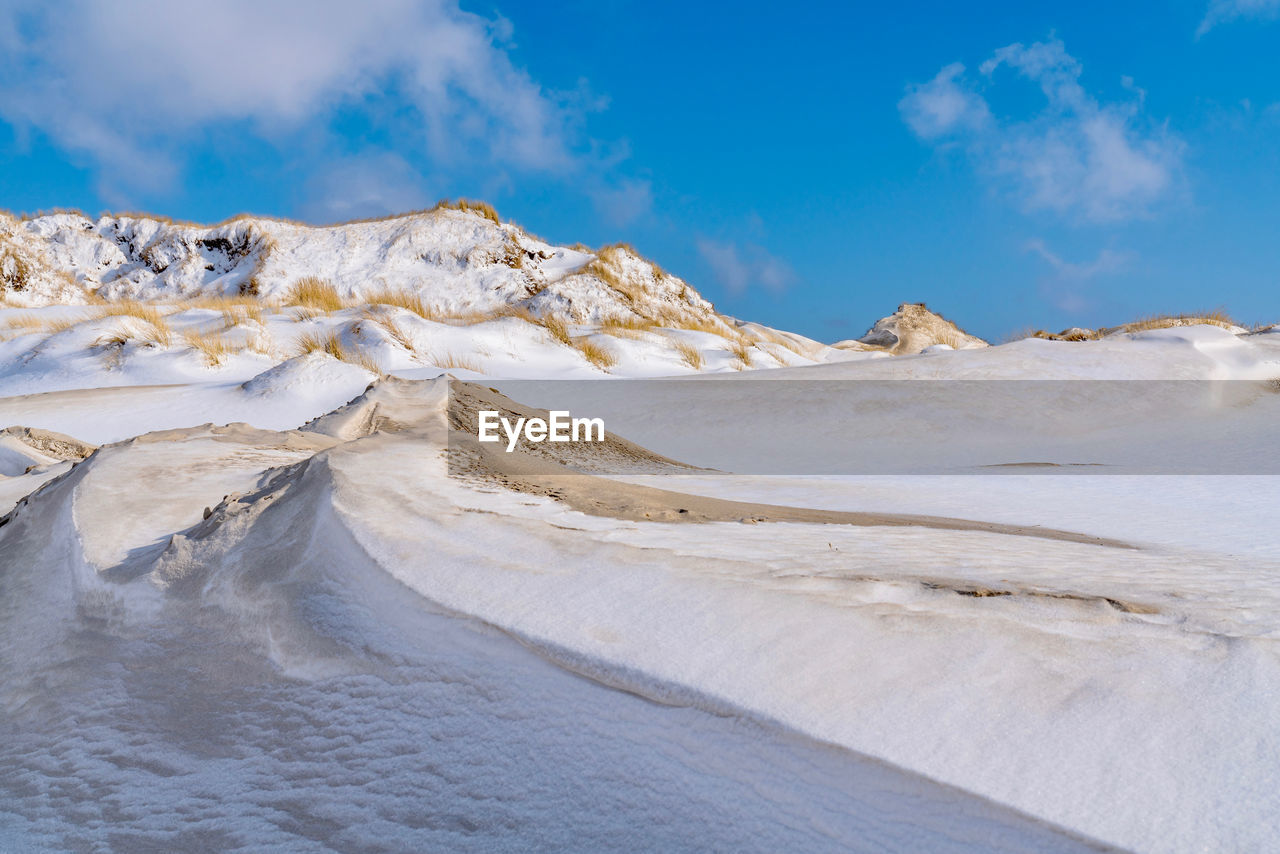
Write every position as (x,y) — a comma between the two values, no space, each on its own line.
(805,165)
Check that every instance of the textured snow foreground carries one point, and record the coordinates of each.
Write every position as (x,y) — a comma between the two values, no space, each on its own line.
(301,631)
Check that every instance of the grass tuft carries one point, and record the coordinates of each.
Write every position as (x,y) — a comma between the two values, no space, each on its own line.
(235,310)
(28,322)
(330,343)
(393,329)
(133,308)
(484,209)
(62,324)
(15,272)
(627,327)
(406,300)
(558,328)
(314,292)
(711,325)
(212,345)
(158,333)
(452,361)
(690,355)
(600,356)
(312,342)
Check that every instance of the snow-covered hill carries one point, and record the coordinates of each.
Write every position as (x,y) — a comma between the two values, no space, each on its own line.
(458,260)
(449,288)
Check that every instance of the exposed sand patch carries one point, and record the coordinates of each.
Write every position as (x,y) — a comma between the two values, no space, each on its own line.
(49,443)
(564,472)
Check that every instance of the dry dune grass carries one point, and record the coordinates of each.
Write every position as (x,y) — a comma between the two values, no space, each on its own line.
(775,352)
(364,360)
(1217,317)
(330,343)
(624,332)
(28,322)
(150,312)
(449,360)
(640,324)
(1073,334)
(393,329)
(635,328)
(517,311)
(599,266)
(234,309)
(15,272)
(236,315)
(92,297)
(780,340)
(484,209)
(403,299)
(212,345)
(713,326)
(604,267)
(596,354)
(690,355)
(954,340)
(62,324)
(35,323)
(741,350)
(152,336)
(316,293)
(558,328)
(158,333)
(469,318)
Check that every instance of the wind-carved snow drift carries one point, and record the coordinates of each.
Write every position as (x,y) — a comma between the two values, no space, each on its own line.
(457,260)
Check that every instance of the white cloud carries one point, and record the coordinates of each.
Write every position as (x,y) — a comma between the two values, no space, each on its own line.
(129,83)
(1077,156)
(1222,11)
(740,266)
(369,185)
(1069,284)
(943,106)
(1108,261)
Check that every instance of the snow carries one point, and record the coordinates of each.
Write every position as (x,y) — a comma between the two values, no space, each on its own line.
(461,260)
(263,614)
(269,684)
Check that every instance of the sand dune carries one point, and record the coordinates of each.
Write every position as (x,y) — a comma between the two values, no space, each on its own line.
(299,606)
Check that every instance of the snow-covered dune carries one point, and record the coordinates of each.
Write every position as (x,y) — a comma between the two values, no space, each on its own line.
(136,300)
(270,671)
(254,593)
(462,260)
(232,636)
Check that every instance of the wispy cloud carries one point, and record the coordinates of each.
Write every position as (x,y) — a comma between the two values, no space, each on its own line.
(130,85)
(945,105)
(1068,285)
(1222,11)
(1077,156)
(622,202)
(368,185)
(740,266)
